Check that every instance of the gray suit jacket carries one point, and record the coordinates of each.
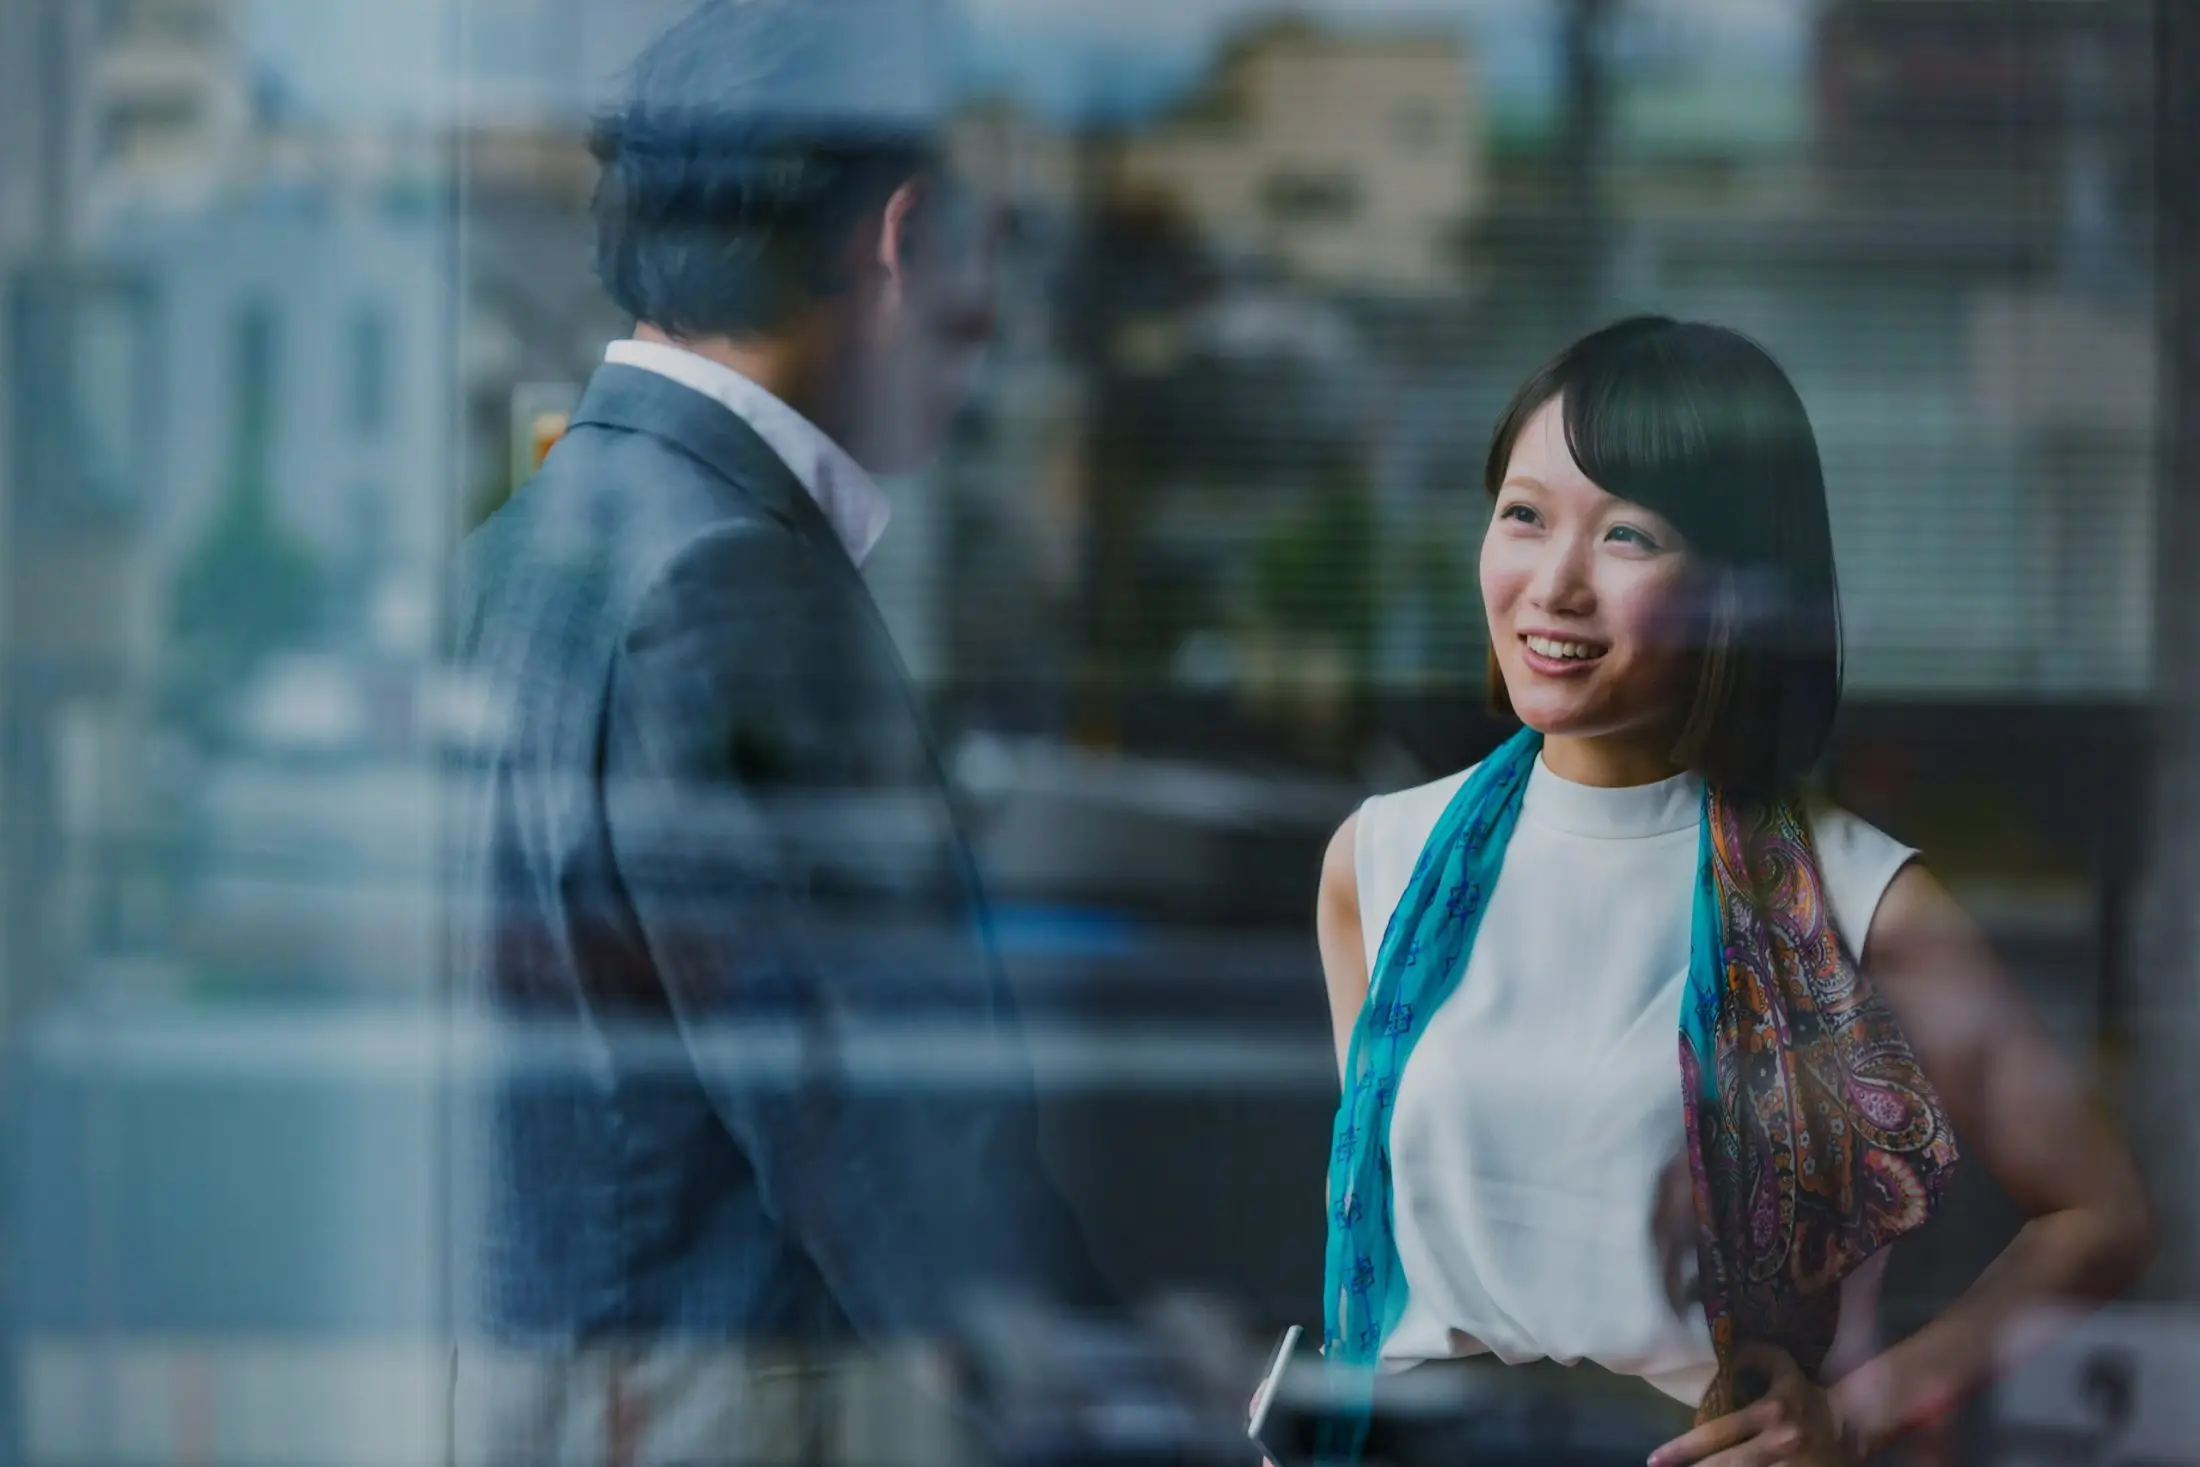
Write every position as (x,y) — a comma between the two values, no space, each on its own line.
(765,1082)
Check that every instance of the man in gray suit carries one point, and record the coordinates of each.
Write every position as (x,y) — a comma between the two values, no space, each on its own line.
(766,1097)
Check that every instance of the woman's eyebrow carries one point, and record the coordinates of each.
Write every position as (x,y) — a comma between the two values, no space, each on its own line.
(1522,481)
(1629,509)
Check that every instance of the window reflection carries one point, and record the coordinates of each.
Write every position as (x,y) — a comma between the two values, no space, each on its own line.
(296,294)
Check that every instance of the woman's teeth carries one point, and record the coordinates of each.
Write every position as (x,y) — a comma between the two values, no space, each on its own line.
(1565,651)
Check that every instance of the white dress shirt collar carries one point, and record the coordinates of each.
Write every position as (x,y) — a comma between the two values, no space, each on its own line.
(852,502)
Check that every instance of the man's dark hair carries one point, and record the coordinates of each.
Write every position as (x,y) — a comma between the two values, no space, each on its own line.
(1700,424)
(746,153)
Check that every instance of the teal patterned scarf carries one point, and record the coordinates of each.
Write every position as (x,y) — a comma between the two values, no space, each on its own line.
(1814,1138)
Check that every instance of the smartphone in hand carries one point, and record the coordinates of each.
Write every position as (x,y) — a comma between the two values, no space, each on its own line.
(1264,1397)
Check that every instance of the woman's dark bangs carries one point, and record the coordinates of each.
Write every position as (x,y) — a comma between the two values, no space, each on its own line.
(1635,427)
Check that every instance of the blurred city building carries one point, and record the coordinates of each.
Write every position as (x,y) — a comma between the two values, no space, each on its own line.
(226,382)
(234,407)
(1350,160)
(79,412)
(168,106)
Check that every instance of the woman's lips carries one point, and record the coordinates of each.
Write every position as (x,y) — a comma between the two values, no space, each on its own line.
(1559,656)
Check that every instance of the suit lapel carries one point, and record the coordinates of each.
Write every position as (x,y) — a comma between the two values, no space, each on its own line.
(632,400)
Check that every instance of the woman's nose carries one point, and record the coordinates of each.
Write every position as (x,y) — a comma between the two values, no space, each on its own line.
(1561,583)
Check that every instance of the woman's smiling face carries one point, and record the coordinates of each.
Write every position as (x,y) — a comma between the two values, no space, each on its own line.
(1588,598)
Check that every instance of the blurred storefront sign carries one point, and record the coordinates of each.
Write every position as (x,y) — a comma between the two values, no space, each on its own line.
(540,413)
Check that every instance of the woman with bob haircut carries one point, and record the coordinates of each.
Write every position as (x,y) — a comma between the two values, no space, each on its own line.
(1647,1056)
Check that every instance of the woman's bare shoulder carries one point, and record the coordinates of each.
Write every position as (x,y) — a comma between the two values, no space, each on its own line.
(1340,862)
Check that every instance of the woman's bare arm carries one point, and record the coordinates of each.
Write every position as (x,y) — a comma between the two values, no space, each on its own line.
(1337,927)
(2020,1109)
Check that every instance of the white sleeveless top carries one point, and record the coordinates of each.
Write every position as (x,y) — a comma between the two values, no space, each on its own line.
(1541,1107)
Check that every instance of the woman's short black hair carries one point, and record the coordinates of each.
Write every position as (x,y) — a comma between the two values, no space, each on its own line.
(1698,423)
(754,138)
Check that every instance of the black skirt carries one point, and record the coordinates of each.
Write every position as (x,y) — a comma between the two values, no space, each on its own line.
(1481,1412)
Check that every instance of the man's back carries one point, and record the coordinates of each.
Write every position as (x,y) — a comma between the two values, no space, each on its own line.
(763,1084)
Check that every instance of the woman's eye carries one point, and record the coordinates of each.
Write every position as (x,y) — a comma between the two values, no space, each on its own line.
(1519,513)
(1629,535)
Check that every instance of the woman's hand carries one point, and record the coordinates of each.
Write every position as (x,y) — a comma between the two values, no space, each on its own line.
(1794,1424)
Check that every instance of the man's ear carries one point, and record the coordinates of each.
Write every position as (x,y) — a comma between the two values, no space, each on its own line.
(908,214)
